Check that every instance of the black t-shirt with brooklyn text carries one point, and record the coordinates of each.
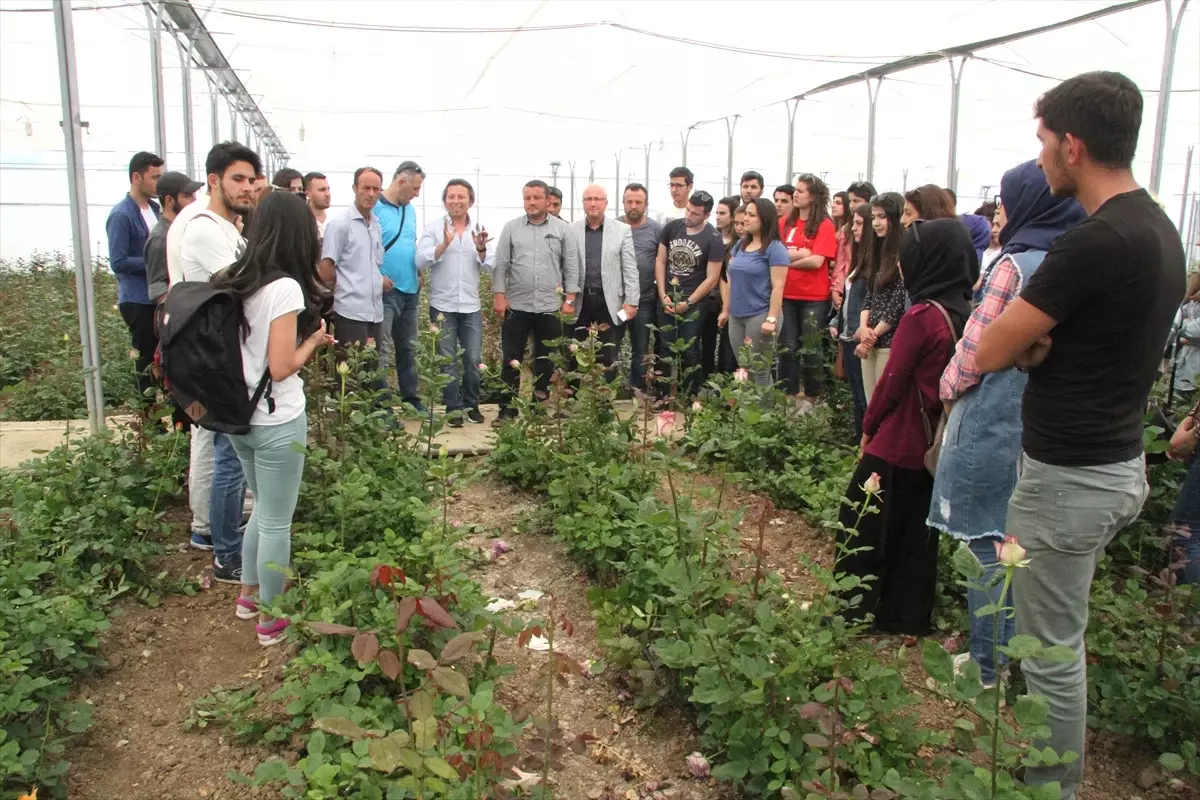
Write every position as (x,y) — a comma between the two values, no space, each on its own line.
(688,255)
(1113,285)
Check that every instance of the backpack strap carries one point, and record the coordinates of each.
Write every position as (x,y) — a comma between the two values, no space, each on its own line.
(403,216)
(263,390)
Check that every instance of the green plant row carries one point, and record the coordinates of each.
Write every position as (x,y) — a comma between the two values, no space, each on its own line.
(792,702)
(78,529)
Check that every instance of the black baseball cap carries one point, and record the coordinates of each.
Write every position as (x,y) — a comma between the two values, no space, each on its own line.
(409,166)
(173,183)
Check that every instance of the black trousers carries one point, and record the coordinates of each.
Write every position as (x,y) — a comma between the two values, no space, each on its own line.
(716,354)
(356,332)
(903,554)
(139,318)
(514,333)
(593,310)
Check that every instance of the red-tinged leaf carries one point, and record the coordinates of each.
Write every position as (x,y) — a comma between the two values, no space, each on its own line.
(525,636)
(383,575)
(811,710)
(364,648)
(479,738)
(332,629)
(847,684)
(404,613)
(568,626)
(580,743)
(562,680)
(537,630)
(459,647)
(428,608)
(389,663)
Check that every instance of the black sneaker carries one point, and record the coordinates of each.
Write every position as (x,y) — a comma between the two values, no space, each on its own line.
(227,573)
(474,415)
(455,419)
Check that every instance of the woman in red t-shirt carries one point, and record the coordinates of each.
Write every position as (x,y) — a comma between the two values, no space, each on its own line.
(811,242)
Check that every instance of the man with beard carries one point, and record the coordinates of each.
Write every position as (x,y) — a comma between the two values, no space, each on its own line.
(316,188)
(199,245)
(646,232)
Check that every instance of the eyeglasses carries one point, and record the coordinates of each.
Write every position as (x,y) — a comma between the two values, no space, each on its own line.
(675,185)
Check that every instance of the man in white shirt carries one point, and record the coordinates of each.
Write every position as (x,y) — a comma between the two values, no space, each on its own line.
(681,189)
(207,242)
(316,189)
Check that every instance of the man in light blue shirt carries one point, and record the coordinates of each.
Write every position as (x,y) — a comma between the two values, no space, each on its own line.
(350,257)
(398,225)
(455,251)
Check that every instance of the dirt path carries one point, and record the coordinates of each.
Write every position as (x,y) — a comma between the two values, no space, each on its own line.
(161,660)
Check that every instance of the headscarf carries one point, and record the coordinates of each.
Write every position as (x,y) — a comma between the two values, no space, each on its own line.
(1034,218)
(938,260)
(980,229)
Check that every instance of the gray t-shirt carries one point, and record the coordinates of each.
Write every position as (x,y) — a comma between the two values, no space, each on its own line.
(645,245)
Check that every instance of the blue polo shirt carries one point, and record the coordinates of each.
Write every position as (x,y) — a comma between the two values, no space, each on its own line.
(400,260)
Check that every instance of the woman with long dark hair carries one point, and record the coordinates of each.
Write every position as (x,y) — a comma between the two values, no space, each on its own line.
(845,323)
(811,243)
(276,279)
(885,300)
(895,545)
(716,355)
(758,265)
(928,202)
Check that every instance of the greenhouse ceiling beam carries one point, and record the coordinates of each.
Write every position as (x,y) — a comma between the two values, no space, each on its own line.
(208,55)
(876,74)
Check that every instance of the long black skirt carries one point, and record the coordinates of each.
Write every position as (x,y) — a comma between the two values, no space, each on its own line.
(901,550)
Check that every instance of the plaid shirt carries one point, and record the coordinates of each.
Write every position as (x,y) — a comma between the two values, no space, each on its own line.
(961,374)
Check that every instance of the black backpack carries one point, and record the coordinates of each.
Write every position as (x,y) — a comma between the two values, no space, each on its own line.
(200,336)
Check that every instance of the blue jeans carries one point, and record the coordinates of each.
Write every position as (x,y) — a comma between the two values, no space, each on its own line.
(465,331)
(401,312)
(983,629)
(801,340)
(273,468)
(1064,517)
(853,366)
(639,341)
(225,500)
(688,328)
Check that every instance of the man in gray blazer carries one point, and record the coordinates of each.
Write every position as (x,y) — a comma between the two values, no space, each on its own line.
(608,276)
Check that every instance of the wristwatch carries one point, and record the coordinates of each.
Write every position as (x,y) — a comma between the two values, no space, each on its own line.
(771,320)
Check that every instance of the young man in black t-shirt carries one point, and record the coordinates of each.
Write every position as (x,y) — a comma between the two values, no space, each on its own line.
(690,252)
(1090,329)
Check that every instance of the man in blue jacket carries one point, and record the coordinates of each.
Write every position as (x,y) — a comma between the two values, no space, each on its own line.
(128,226)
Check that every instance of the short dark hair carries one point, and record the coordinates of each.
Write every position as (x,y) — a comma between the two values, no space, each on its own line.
(863,189)
(410,167)
(636,187)
(537,183)
(702,199)
(358,174)
(784,188)
(685,173)
(1101,109)
(313,176)
(733,202)
(459,182)
(141,162)
(953,194)
(553,191)
(284,177)
(753,176)
(226,154)
(987,210)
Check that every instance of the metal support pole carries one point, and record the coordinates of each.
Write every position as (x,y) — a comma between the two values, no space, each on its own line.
(684,136)
(154,26)
(873,94)
(232,123)
(1189,245)
(646,148)
(554,165)
(905,184)
(571,164)
(617,187)
(214,112)
(1187,178)
(729,129)
(185,69)
(793,105)
(85,296)
(478,194)
(592,171)
(956,73)
(1164,93)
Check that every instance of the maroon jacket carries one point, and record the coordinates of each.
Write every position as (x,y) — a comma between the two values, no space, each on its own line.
(920,352)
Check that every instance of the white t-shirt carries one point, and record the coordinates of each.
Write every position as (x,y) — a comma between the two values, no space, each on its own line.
(175,238)
(210,244)
(148,217)
(672,213)
(277,298)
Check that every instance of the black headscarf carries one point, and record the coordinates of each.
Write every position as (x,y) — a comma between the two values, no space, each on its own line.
(939,261)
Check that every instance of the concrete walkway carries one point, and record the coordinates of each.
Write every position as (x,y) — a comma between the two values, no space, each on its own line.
(20,441)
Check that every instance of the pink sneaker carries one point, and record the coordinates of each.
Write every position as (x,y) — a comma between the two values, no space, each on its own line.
(273,632)
(246,608)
